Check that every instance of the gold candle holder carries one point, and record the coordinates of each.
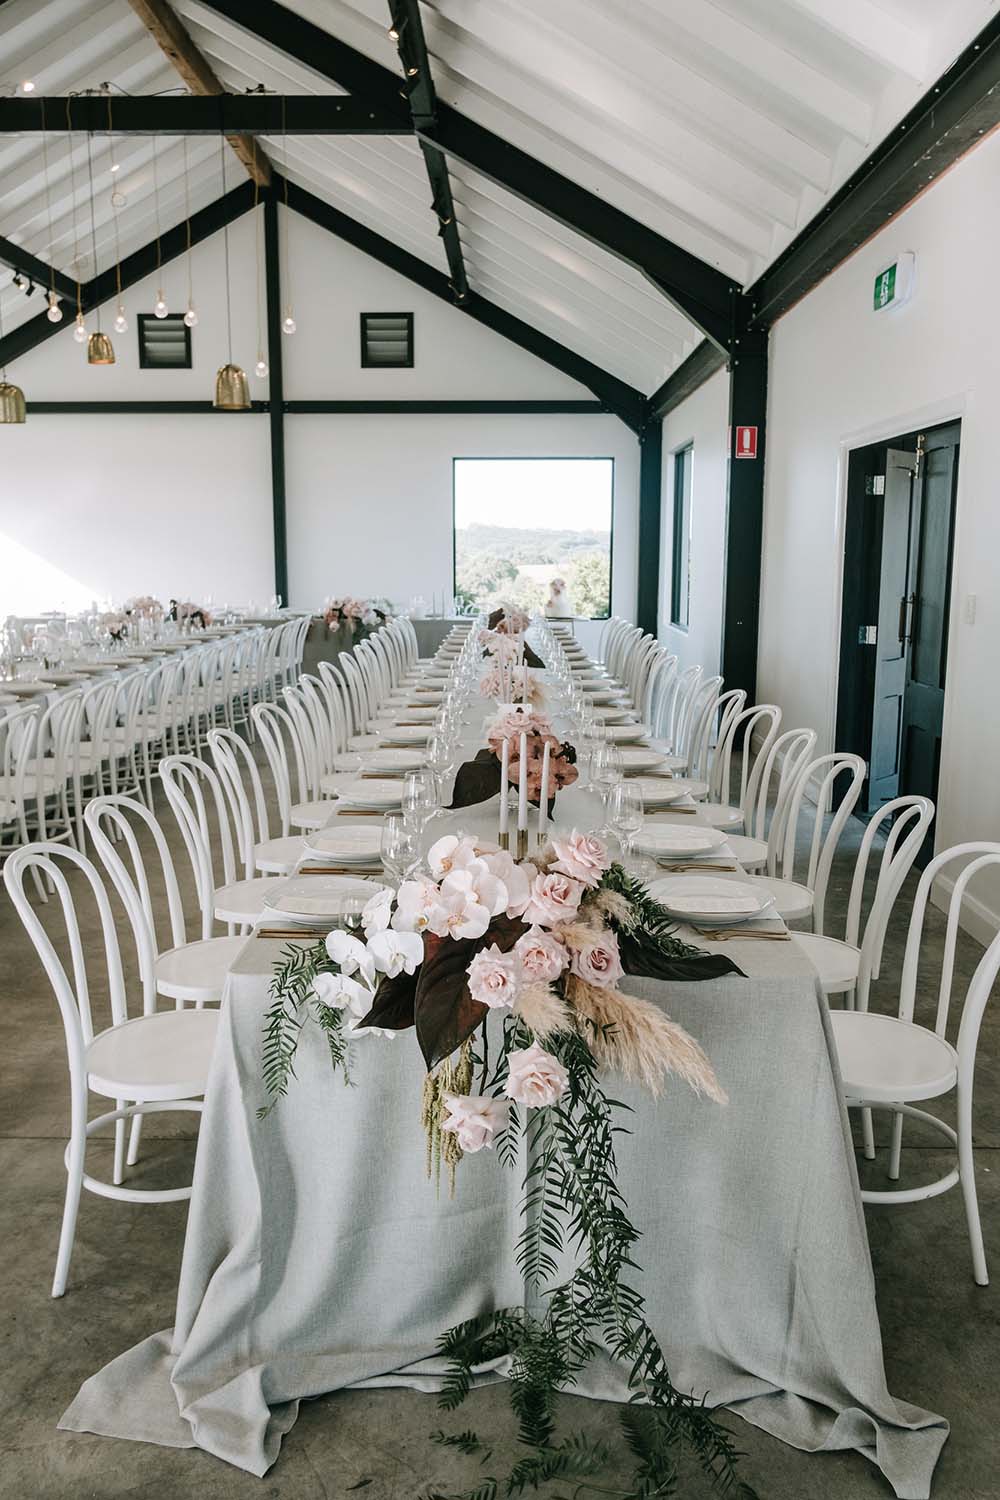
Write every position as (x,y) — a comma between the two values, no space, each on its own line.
(503,839)
(522,843)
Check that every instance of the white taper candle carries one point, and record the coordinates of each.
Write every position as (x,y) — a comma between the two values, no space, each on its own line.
(522,785)
(543,800)
(504,783)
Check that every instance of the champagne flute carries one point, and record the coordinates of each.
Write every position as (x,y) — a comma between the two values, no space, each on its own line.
(398,847)
(419,798)
(351,908)
(627,815)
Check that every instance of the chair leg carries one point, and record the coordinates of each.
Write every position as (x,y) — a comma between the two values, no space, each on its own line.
(135,1136)
(74,1184)
(868,1133)
(896,1147)
(119,1172)
(967,1178)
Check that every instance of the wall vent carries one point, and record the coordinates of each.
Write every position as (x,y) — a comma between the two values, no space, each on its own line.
(386,341)
(164,343)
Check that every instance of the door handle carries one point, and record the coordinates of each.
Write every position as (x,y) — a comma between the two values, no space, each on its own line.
(905,605)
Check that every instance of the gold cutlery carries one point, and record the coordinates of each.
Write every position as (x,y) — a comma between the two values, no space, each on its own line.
(730,935)
(340,870)
(669,864)
(361,812)
(294,932)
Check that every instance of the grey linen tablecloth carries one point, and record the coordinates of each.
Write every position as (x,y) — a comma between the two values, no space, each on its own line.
(318,1256)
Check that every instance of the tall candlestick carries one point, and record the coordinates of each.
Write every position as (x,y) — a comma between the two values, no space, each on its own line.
(522,785)
(504,787)
(524,676)
(543,800)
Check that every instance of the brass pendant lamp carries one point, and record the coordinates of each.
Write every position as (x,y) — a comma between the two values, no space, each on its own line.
(11,396)
(232,391)
(100,350)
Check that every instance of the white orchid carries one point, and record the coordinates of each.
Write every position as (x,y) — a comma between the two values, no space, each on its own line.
(377,912)
(414,902)
(351,954)
(450,853)
(484,885)
(515,878)
(342,993)
(458,912)
(396,952)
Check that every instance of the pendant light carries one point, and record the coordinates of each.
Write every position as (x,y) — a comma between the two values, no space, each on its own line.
(260,368)
(160,309)
(55,312)
(191,316)
(80,328)
(11,396)
(232,392)
(100,350)
(117,199)
(288,324)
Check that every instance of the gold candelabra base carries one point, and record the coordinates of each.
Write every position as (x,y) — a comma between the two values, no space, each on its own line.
(522,843)
(503,839)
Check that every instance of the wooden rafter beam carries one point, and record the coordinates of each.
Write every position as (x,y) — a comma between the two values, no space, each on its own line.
(175,41)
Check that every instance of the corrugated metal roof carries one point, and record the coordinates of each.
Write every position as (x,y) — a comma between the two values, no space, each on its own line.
(722,124)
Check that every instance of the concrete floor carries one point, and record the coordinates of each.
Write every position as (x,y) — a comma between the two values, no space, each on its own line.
(939,1329)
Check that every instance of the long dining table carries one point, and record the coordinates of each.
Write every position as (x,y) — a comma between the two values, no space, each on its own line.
(318,1256)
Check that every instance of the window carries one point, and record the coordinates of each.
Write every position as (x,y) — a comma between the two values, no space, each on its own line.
(520,523)
(164,343)
(387,341)
(680,573)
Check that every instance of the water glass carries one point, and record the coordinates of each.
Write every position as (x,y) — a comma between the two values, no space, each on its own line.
(626,815)
(419,798)
(399,848)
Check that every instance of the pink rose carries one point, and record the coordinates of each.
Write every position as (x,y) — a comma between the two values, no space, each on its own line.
(534,1077)
(541,955)
(581,856)
(598,961)
(494,977)
(554,898)
(475,1119)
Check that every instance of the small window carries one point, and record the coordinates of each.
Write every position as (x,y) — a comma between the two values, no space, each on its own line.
(680,573)
(164,343)
(386,341)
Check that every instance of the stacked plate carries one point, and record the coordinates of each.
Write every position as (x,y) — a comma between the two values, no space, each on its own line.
(392,761)
(711,901)
(666,841)
(622,733)
(611,715)
(660,791)
(318,898)
(406,734)
(386,795)
(636,758)
(22,688)
(348,844)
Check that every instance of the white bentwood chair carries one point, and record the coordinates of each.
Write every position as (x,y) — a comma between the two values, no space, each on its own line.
(157,1059)
(893,1062)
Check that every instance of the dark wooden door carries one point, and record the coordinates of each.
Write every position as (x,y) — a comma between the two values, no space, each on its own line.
(890,642)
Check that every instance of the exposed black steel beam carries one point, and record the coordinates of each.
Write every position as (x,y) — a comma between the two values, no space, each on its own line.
(744,516)
(453,408)
(700,291)
(128,408)
(622,399)
(191,114)
(647,604)
(134,268)
(700,365)
(411,44)
(950,117)
(276,387)
(28,265)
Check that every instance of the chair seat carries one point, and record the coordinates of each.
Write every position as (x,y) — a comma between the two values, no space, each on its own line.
(278,856)
(243,901)
(751,853)
(311,814)
(198,970)
(791,899)
(836,963)
(885,1060)
(162,1056)
(722,815)
(669,762)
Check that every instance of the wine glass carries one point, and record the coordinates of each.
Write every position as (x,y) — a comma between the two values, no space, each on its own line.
(440,755)
(351,908)
(399,848)
(607,767)
(419,798)
(626,815)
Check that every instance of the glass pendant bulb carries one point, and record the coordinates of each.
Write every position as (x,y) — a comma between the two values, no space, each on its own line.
(190,317)
(288,324)
(118,199)
(80,331)
(55,312)
(121,321)
(260,368)
(160,309)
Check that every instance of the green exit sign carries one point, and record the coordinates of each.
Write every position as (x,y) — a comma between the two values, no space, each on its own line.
(894,283)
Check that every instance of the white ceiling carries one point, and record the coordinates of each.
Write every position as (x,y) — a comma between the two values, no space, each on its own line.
(722,124)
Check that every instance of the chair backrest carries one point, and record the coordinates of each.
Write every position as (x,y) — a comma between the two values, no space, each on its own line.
(786,759)
(869,908)
(234,761)
(761,721)
(72,985)
(120,820)
(202,808)
(817,778)
(18,738)
(279,736)
(977,857)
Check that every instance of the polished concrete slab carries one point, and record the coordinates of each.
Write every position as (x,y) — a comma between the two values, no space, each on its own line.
(939,1329)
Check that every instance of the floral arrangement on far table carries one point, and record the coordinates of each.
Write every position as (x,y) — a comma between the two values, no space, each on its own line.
(115,623)
(540,947)
(145,607)
(348,613)
(186,613)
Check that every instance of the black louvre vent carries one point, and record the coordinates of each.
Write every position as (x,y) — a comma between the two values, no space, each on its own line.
(164,343)
(387,341)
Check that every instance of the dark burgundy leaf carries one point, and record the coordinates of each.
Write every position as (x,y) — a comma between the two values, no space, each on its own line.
(647,961)
(477,780)
(393,1006)
(445,1011)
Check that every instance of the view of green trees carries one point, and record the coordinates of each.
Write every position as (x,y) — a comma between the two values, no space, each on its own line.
(516,563)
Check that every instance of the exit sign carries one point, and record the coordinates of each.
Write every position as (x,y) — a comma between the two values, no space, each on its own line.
(894,283)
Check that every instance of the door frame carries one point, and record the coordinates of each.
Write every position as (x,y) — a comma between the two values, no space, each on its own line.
(932,414)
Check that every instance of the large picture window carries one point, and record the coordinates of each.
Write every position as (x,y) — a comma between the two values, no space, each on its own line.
(680,572)
(520,523)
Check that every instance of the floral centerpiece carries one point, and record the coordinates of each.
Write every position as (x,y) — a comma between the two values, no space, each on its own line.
(186,613)
(347,613)
(525,961)
(481,778)
(145,607)
(115,623)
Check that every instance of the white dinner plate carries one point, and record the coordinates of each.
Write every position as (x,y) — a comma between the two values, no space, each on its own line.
(610,715)
(710,900)
(620,733)
(418,715)
(667,841)
(406,734)
(370,793)
(659,791)
(393,760)
(348,843)
(65,679)
(605,695)
(638,758)
(310,898)
(22,688)
(428,694)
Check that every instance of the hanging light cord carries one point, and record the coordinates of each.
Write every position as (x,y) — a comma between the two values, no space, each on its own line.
(76,234)
(258,232)
(93,221)
(156,208)
(284,180)
(114,210)
(187,221)
(225,236)
(48,202)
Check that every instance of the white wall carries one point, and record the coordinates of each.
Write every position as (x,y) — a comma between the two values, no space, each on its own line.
(842,375)
(702,421)
(181,504)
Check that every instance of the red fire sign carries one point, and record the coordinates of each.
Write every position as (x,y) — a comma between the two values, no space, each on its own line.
(746,442)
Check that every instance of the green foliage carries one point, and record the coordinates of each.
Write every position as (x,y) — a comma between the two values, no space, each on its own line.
(589,584)
(576,1455)
(648,920)
(466,1442)
(292,1002)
